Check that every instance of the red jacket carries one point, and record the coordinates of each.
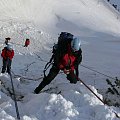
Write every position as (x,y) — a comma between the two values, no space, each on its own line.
(27,42)
(67,60)
(7,53)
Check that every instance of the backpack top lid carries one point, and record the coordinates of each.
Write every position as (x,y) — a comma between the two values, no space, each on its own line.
(65,35)
(75,44)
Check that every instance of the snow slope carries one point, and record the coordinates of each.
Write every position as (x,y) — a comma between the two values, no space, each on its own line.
(49,14)
(98,26)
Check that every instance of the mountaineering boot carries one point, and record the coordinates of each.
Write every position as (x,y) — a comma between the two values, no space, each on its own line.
(37,90)
(40,87)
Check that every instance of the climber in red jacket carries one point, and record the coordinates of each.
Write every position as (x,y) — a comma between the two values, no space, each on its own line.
(68,63)
(7,55)
(27,42)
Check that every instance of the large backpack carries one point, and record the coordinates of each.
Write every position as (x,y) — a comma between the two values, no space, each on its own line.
(59,49)
(63,40)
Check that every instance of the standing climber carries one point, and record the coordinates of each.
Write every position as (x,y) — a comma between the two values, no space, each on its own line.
(7,55)
(27,42)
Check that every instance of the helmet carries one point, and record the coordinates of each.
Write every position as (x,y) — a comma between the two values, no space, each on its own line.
(9,47)
(27,39)
(75,44)
(7,38)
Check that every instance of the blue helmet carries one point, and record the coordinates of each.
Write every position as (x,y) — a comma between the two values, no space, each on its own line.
(75,44)
(9,47)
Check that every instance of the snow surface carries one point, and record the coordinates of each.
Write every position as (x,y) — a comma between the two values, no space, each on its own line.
(98,26)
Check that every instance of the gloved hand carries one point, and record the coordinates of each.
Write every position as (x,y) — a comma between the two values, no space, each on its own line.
(66,71)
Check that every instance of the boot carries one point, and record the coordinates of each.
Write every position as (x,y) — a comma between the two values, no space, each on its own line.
(37,90)
(40,87)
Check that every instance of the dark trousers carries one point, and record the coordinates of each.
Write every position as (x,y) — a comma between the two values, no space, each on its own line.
(46,80)
(52,74)
(72,77)
(6,64)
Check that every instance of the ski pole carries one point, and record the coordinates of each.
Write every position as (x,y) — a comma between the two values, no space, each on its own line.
(14,96)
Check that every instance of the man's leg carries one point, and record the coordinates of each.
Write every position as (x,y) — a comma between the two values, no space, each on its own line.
(9,66)
(4,66)
(72,77)
(52,74)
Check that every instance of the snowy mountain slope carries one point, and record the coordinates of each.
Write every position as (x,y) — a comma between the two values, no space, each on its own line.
(75,102)
(43,13)
(99,34)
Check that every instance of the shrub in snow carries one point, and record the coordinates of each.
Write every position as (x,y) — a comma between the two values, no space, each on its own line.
(113,92)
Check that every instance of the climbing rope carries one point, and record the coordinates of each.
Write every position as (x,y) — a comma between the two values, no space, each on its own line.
(97,71)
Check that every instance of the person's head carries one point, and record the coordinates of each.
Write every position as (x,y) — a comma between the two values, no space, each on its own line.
(9,47)
(7,38)
(27,39)
(75,44)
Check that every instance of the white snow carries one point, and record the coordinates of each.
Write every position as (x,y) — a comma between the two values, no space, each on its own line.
(95,22)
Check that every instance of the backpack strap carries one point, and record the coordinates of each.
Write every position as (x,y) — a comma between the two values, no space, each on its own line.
(48,65)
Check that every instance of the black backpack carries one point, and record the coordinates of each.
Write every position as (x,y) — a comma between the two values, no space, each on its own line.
(64,39)
(59,49)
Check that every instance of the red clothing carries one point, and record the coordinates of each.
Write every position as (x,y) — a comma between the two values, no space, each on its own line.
(68,60)
(27,42)
(7,53)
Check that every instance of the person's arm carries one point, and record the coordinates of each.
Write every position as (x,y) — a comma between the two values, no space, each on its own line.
(78,61)
(3,53)
(12,55)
